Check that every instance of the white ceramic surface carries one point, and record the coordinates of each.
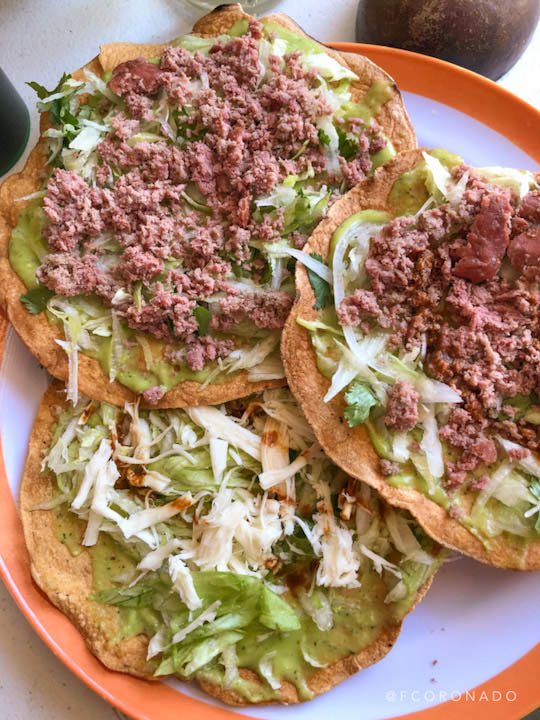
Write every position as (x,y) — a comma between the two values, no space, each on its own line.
(39,41)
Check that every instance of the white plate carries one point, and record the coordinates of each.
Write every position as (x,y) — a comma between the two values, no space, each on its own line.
(474,622)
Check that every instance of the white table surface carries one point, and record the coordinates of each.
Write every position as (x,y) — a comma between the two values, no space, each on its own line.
(40,39)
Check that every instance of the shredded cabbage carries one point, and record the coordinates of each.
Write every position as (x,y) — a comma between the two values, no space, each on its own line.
(73,329)
(205,537)
(495,481)
(356,364)
(327,66)
(229,660)
(271,368)
(182,581)
(438,177)
(404,539)
(521,181)
(318,608)
(219,425)
(274,477)
(529,462)
(331,148)
(218,455)
(274,453)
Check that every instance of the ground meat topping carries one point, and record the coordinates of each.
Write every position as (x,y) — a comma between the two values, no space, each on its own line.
(199,351)
(487,240)
(402,408)
(68,274)
(139,76)
(524,251)
(153,394)
(436,280)
(388,468)
(268,310)
(170,215)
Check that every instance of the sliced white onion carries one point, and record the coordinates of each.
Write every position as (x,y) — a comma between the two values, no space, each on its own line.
(316,266)
(430,443)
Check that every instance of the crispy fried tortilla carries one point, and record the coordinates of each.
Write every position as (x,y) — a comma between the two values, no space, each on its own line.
(351,447)
(68,582)
(65,579)
(40,336)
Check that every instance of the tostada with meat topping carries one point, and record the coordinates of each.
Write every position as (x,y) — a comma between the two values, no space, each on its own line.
(414,348)
(217,544)
(148,247)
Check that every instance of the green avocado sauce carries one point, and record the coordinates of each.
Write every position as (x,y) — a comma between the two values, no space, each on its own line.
(130,371)
(272,28)
(109,562)
(26,246)
(359,615)
(384,155)
(380,92)
(68,529)
(479,521)
(26,250)
(409,192)
(407,196)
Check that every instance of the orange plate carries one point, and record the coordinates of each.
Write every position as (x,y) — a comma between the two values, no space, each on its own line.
(448,84)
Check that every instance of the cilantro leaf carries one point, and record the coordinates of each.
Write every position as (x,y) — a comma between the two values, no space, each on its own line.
(35,300)
(359,402)
(61,114)
(203,316)
(63,79)
(320,287)
(324,137)
(41,91)
(348,146)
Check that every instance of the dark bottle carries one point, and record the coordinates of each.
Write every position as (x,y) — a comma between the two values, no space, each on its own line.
(14,124)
